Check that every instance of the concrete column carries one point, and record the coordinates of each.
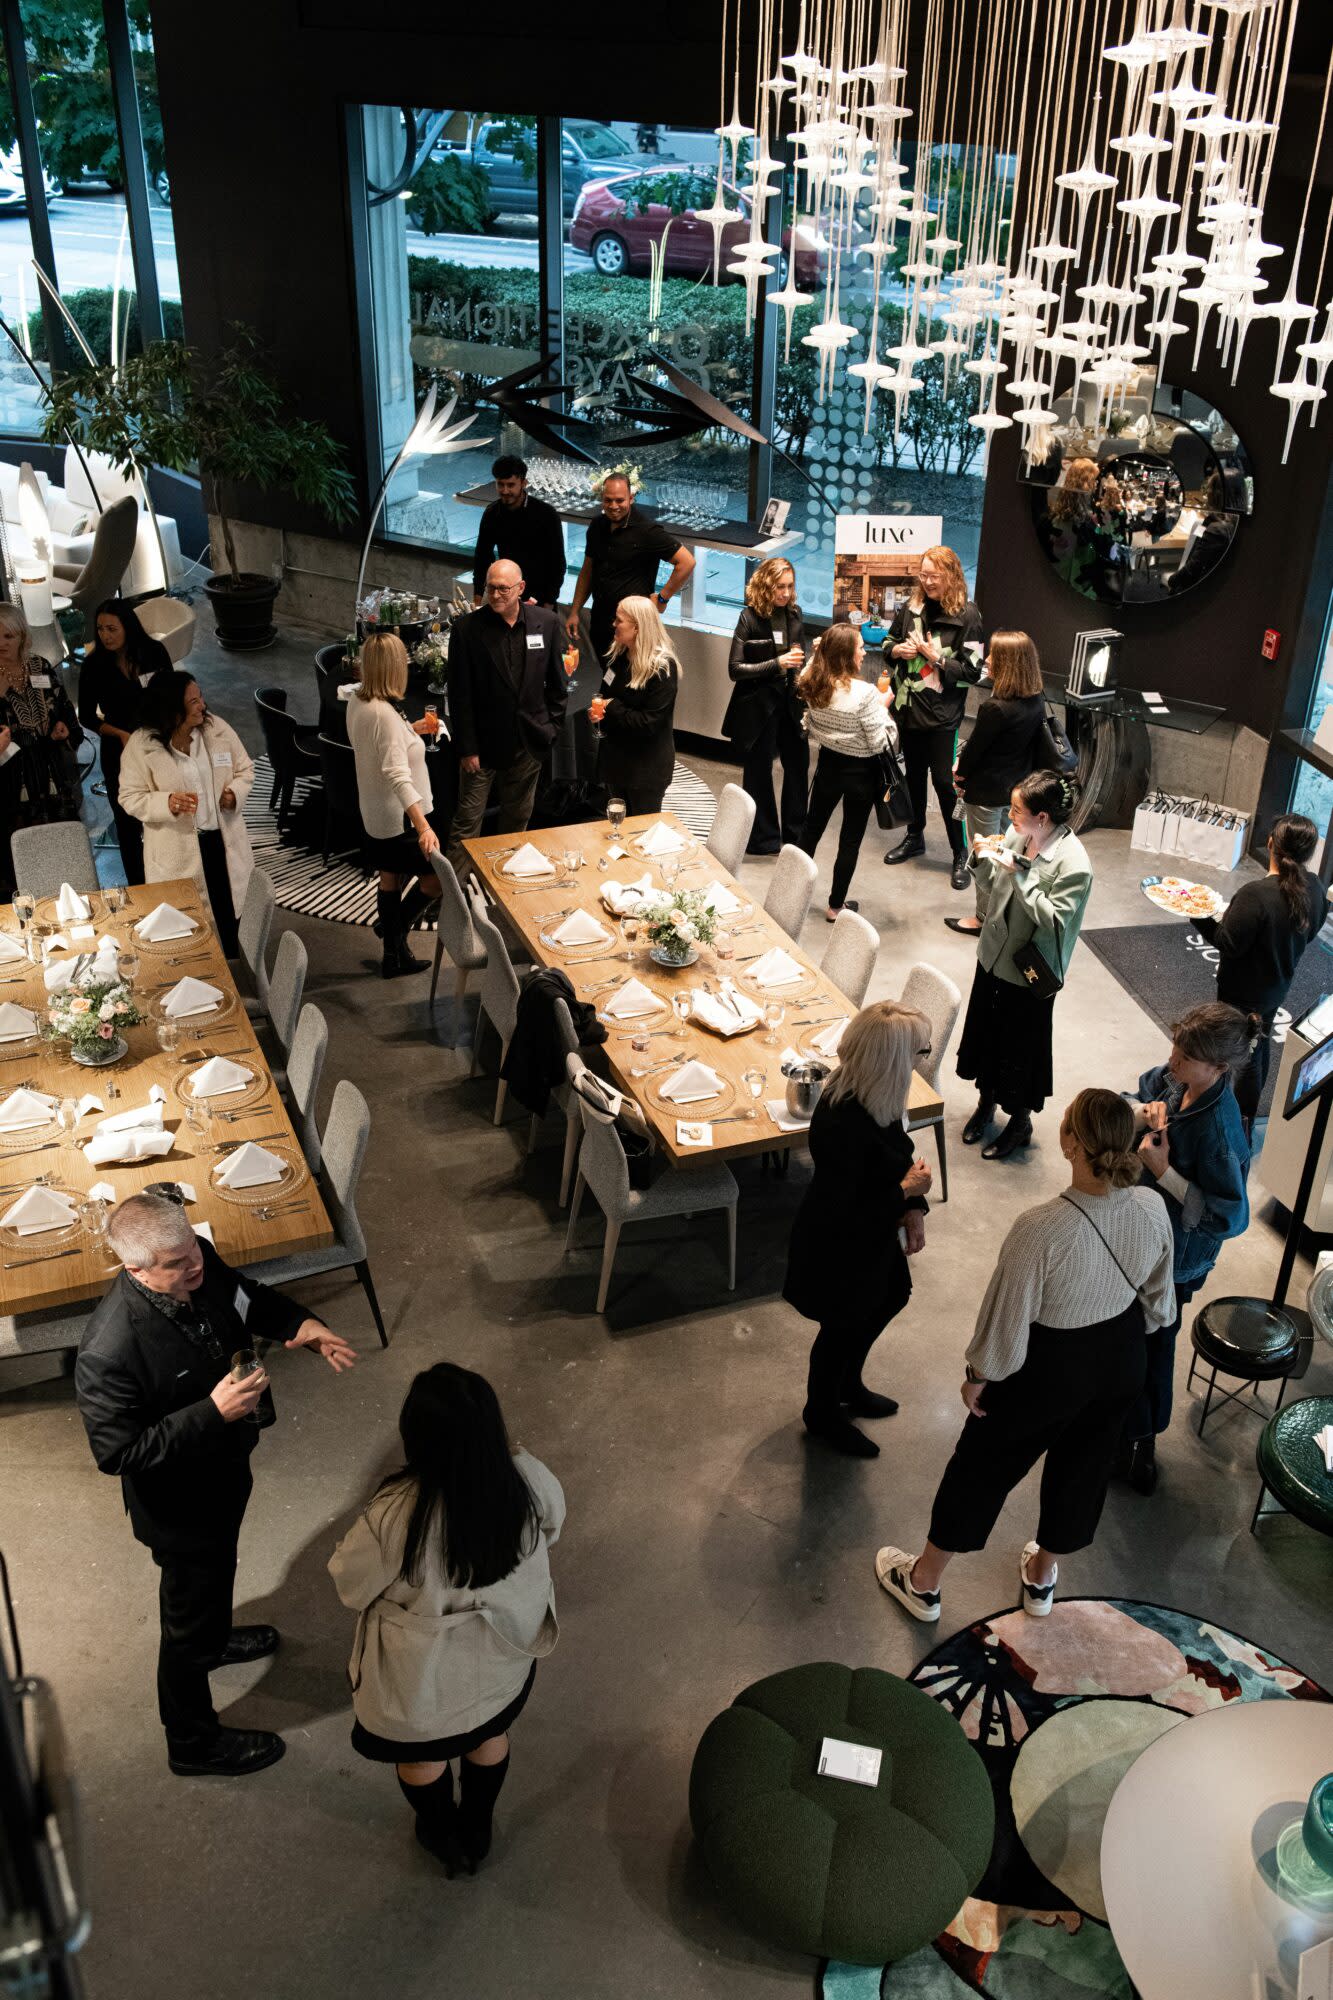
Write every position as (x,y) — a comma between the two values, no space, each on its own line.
(391,304)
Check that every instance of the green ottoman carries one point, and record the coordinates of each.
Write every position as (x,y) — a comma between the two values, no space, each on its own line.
(823,1866)
(1291,1465)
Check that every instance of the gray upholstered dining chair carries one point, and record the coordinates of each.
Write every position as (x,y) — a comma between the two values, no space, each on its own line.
(285,990)
(454,932)
(46,857)
(499,992)
(604,1169)
(42,1332)
(933,994)
(731,827)
(565,1097)
(305,1066)
(343,1146)
(791,890)
(253,927)
(852,951)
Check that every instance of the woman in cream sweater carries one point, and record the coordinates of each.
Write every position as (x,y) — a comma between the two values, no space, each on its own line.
(846,717)
(449,1572)
(394,792)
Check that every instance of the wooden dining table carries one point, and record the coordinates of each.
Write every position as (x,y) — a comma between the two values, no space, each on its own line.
(810,1005)
(32,1277)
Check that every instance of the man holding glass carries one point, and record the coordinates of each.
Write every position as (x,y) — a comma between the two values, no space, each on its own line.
(173,1396)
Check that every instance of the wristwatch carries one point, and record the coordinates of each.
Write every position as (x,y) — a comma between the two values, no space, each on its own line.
(660,601)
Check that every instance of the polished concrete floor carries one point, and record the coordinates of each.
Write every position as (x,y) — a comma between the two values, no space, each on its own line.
(707,1543)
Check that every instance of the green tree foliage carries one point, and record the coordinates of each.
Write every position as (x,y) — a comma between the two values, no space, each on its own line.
(91,312)
(449,195)
(71,89)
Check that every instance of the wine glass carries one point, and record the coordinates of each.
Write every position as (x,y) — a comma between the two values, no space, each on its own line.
(571,859)
(615,814)
(669,868)
(755,1081)
(67,1117)
(629,930)
(114,896)
(24,906)
(774,1015)
(168,1036)
(127,965)
(199,1118)
(244,1363)
(680,1007)
(92,1214)
(724,944)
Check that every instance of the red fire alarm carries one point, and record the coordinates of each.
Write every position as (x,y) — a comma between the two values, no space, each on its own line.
(1272,640)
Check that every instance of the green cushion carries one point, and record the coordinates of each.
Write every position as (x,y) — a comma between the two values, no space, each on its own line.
(1291,1464)
(820,1865)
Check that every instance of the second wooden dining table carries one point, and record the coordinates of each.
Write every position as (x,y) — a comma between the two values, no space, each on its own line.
(811,1004)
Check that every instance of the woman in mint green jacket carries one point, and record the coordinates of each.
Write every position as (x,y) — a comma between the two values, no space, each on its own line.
(1036,887)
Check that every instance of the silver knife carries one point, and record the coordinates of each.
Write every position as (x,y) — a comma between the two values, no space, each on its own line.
(46,1257)
(230,1145)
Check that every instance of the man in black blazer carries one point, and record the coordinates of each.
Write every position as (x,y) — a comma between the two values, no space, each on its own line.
(507,693)
(155,1392)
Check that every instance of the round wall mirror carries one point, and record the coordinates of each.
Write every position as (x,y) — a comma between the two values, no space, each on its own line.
(1142,515)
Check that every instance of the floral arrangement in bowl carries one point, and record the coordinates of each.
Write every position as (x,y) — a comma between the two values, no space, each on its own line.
(625,470)
(678,924)
(92,1018)
(431,654)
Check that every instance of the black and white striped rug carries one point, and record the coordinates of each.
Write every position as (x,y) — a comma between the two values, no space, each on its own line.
(345,893)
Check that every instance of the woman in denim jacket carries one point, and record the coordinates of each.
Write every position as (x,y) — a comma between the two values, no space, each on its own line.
(1194,1147)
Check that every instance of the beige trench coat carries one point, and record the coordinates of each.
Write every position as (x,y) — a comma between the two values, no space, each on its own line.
(149,775)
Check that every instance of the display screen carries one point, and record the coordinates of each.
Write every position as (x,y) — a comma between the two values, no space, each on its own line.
(1311,1076)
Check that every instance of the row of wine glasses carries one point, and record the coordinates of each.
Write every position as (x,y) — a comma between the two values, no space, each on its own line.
(565,482)
(688,503)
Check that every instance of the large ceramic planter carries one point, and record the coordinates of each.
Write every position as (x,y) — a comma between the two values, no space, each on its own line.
(243,610)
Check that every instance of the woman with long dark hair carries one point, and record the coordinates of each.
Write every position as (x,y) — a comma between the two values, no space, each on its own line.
(1260,938)
(934,650)
(764,720)
(116,670)
(39,735)
(185,776)
(845,717)
(448,1571)
(1037,888)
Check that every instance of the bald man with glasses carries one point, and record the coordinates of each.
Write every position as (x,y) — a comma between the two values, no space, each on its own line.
(507,694)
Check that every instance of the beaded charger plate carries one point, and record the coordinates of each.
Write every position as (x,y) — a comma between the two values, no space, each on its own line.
(295,1174)
(221,1100)
(165,947)
(202,1020)
(44,1239)
(701,1108)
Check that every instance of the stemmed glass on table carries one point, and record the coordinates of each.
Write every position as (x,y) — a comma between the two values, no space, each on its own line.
(168,1036)
(755,1081)
(774,1015)
(680,1007)
(67,1117)
(615,815)
(571,859)
(629,930)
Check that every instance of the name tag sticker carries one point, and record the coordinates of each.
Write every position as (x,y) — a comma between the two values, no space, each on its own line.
(145,680)
(221,757)
(39,680)
(241,1304)
(608,678)
(536,643)
(779,638)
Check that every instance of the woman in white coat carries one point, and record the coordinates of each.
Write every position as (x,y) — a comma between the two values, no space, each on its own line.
(448,1569)
(186,774)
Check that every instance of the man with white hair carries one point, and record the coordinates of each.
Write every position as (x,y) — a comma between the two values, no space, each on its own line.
(162,1410)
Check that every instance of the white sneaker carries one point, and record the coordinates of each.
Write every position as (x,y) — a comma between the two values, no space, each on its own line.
(1037,1597)
(893,1567)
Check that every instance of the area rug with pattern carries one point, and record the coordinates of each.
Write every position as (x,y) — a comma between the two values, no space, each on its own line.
(344,892)
(1058,1709)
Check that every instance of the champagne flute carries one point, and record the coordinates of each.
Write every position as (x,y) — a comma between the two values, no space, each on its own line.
(774,1015)
(433,714)
(615,815)
(168,1036)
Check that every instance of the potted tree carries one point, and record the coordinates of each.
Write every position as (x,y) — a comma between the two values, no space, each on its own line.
(225,416)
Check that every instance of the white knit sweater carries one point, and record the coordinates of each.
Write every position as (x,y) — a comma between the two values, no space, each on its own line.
(854,721)
(1054,1270)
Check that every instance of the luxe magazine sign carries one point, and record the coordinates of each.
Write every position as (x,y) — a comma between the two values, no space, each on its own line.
(876,557)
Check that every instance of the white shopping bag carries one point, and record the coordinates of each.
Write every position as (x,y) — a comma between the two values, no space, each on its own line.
(1148,819)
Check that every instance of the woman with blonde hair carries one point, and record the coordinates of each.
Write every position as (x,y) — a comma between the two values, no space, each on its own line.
(1056,1361)
(396,800)
(636,706)
(846,719)
(39,734)
(764,716)
(1005,745)
(934,647)
(868,1194)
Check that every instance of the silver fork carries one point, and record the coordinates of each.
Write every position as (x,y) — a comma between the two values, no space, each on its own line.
(605,985)
(271,1209)
(655,1069)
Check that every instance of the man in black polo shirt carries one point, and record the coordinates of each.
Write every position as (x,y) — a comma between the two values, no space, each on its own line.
(520,529)
(624,550)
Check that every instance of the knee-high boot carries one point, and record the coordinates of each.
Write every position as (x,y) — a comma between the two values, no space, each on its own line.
(390,930)
(413,904)
(479,1788)
(436,1817)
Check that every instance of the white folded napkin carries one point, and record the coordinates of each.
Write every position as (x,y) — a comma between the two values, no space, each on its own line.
(714,1011)
(23,1109)
(776,1108)
(191,996)
(529,860)
(624,899)
(37,1210)
(105,1147)
(204,1231)
(163,923)
(216,1078)
(633,999)
(827,1040)
(56,942)
(10,949)
(776,968)
(249,1166)
(102,1191)
(82,933)
(59,976)
(15,1022)
(143,1118)
(580,928)
(717,896)
(71,907)
(692,1084)
(660,839)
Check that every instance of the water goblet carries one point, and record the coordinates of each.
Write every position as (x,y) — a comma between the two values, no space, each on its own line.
(755,1081)
(127,965)
(92,1214)
(67,1117)
(774,1015)
(669,868)
(199,1118)
(680,1007)
(24,907)
(168,1036)
(615,815)
(629,930)
(571,859)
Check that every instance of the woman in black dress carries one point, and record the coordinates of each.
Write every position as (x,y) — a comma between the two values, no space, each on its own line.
(1260,938)
(636,706)
(1004,746)
(116,669)
(935,648)
(863,1214)
(39,735)
(764,716)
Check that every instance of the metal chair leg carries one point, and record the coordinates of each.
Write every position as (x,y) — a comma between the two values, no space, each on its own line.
(368,1287)
(1207,1401)
(1194,1362)
(1258,1508)
(944,1163)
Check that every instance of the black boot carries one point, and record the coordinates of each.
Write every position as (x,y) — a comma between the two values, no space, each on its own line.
(479,1788)
(1142,1469)
(862,1402)
(837,1429)
(1015,1135)
(979,1123)
(958,873)
(411,907)
(911,844)
(436,1817)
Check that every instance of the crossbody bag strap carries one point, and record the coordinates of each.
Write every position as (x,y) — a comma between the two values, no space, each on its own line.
(1134,1287)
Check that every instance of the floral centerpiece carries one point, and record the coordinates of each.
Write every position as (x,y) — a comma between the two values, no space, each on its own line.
(431,654)
(91,1019)
(625,470)
(677,924)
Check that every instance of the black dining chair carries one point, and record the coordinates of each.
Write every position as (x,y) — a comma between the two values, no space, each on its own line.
(344,831)
(289,746)
(330,668)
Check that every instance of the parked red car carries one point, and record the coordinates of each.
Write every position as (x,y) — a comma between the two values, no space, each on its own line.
(618,231)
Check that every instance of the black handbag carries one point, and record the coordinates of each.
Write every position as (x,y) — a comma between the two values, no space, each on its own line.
(893,807)
(1038,976)
(1054,748)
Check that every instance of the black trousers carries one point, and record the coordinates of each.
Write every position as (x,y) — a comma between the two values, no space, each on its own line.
(854,781)
(781,736)
(930,753)
(836,1360)
(213,854)
(1151,1411)
(129,837)
(1249,1084)
(194,1600)
(1068,1400)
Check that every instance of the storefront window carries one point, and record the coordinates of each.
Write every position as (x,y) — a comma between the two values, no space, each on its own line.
(155,159)
(1312,792)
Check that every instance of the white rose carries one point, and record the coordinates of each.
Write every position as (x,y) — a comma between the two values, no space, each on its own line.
(686,930)
(681,921)
(107,1010)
